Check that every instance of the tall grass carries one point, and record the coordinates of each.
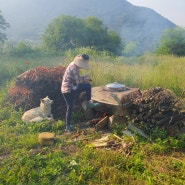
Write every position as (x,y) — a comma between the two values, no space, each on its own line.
(12,66)
(143,72)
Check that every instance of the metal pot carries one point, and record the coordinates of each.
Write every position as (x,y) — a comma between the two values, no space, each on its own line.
(115,86)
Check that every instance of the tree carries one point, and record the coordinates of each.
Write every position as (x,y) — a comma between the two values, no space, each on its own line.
(129,49)
(63,33)
(99,37)
(66,32)
(95,32)
(3,26)
(172,42)
(113,43)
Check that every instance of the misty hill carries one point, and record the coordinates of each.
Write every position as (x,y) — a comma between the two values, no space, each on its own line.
(28,19)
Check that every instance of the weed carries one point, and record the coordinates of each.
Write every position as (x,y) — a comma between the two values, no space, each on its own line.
(67,161)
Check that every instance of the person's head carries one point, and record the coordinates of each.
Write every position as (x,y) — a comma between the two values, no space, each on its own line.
(82,61)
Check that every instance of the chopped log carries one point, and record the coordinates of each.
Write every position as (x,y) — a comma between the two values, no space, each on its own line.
(121,139)
(114,120)
(175,118)
(137,130)
(160,115)
(177,129)
(128,133)
(96,120)
(162,122)
(102,123)
(141,116)
(102,142)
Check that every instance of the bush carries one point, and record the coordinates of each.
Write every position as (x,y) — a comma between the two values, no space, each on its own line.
(22,49)
(172,42)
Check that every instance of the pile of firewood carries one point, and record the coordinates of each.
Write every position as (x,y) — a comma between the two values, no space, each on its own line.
(159,108)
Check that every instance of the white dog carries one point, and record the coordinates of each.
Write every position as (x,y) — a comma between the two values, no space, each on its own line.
(41,113)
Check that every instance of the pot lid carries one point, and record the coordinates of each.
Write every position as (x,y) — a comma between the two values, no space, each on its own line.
(115,85)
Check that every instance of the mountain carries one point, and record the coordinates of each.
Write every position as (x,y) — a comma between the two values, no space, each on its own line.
(143,26)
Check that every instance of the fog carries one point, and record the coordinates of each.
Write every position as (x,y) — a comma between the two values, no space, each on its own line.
(28,19)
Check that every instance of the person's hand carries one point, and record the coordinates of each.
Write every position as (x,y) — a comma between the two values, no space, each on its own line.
(87,78)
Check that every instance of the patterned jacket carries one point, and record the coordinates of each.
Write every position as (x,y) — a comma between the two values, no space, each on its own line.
(71,78)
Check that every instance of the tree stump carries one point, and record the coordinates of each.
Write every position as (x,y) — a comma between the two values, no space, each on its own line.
(114,102)
(46,138)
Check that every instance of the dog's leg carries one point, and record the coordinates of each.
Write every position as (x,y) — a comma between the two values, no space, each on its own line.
(37,119)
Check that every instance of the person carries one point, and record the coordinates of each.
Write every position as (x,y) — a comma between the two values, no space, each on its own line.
(73,83)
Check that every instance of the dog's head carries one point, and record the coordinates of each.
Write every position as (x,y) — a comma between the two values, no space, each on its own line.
(46,101)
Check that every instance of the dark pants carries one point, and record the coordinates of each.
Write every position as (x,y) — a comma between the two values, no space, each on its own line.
(69,97)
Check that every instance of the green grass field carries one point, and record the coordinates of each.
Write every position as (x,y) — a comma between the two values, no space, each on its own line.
(23,161)
(144,72)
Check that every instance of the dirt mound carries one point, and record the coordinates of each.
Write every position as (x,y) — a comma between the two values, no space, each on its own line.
(158,107)
(37,83)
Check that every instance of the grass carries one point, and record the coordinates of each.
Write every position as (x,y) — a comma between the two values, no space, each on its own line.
(24,161)
(68,161)
(165,71)
(143,72)
(12,66)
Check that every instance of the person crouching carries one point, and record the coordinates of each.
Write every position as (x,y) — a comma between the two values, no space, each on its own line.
(73,83)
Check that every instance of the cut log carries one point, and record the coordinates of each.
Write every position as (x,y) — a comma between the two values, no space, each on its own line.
(102,124)
(114,120)
(46,138)
(137,130)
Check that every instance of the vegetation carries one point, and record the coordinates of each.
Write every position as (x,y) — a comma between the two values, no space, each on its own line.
(3,26)
(68,161)
(172,42)
(67,32)
(143,72)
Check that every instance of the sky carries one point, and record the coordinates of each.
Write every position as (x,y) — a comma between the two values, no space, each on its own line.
(173,10)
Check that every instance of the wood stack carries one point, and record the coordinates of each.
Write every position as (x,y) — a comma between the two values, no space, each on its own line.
(158,107)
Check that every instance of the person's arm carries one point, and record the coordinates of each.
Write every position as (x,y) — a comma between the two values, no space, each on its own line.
(76,76)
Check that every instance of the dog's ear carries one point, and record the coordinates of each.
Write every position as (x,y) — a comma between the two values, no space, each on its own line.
(42,100)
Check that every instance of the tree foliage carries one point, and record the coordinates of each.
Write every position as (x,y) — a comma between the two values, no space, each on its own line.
(68,32)
(3,26)
(22,49)
(172,42)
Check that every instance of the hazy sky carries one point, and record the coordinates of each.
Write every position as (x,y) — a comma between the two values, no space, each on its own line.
(173,10)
